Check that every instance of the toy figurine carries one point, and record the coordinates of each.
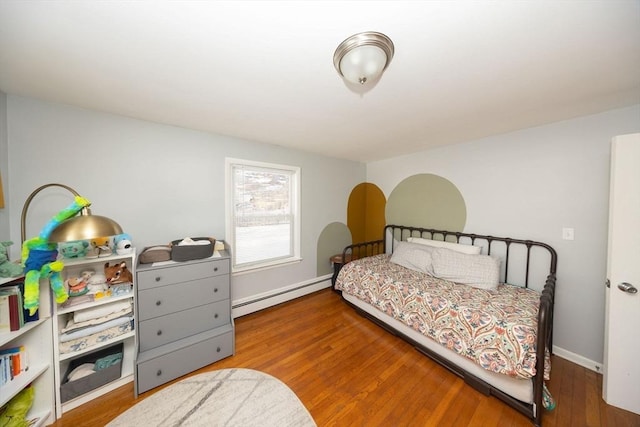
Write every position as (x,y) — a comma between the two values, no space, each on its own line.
(39,259)
(8,268)
(117,273)
(74,249)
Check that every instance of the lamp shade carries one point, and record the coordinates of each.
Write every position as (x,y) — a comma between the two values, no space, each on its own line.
(85,227)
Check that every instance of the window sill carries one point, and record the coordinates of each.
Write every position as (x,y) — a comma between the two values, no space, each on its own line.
(265,266)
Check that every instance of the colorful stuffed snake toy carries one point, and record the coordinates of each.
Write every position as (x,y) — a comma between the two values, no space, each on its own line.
(40,259)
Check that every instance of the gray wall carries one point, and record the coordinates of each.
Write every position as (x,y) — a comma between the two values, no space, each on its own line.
(4,168)
(530,184)
(159,182)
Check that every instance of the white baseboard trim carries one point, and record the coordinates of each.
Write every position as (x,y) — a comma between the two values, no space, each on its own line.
(577,359)
(264,300)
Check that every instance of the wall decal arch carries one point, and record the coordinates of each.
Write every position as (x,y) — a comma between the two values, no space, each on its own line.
(365,212)
(427,200)
(332,240)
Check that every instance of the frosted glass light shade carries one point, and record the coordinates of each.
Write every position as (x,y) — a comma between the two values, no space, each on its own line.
(363,64)
(363,57)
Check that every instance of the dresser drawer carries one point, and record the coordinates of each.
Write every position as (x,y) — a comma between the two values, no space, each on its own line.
(169,299)
(162,369)
(177,273)
(162,330)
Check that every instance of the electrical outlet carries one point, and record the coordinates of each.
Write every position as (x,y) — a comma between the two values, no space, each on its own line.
(567,233)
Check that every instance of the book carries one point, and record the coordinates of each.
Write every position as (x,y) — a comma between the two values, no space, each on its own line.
(14,361)
(16,315)
(5,318)
(15,364)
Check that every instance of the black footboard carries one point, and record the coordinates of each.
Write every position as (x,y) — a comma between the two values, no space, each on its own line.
(361,250)
(520,253)
(355,251)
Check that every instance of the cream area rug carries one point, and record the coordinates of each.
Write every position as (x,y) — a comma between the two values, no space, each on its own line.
(227,397)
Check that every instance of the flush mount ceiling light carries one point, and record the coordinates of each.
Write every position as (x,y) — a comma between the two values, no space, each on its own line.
(362,58)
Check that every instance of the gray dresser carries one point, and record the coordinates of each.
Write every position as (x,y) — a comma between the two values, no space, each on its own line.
(184,318)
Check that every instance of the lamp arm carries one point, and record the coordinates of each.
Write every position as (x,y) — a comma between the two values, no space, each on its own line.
(25,208)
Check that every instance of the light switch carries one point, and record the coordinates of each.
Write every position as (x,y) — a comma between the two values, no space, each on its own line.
(567,233)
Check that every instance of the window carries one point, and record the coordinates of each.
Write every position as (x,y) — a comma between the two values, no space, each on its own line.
(263,221)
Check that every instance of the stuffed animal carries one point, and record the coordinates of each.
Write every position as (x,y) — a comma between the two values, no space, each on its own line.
(99,247)
(122,243)
(93,278)
(117,273)
(87,275)
(76,286)
(100,241)
(39,259)
(120,237)
(75,249)
(96,283)
(8,268)
(14,413)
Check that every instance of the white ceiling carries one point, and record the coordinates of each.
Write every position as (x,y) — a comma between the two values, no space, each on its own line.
(263,71)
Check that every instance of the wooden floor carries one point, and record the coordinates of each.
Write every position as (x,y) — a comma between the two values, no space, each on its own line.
(349,372)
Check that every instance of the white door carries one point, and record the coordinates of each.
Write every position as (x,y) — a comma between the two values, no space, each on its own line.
(621,385)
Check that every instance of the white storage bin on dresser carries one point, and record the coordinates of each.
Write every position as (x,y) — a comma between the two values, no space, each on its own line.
(119,338)
(184,318)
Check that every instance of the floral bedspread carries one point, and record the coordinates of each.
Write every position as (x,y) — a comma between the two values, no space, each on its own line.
(495,329)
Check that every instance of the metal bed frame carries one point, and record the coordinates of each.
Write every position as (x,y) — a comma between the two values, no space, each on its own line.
(394,233)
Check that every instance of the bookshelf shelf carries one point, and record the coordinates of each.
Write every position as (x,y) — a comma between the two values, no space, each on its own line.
(37,339)
(64,362)
(103,344)
(13,387)
(92,304)
(10,336)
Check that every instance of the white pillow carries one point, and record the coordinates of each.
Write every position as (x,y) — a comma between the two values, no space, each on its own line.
(465,249)
(413,256)
(479,271)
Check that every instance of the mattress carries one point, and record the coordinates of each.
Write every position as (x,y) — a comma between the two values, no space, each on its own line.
(488,333)
(521,389)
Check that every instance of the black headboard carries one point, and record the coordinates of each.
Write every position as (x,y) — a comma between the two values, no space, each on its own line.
(518,252)
(503,246)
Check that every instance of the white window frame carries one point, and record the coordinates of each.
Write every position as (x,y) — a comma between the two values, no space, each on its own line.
(230,213)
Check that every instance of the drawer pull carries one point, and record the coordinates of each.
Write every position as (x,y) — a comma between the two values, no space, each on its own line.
(215,268)
(218,349)
(215,316)
(158,279)
(159,372)
(215,290)
(158,303)
(159,332)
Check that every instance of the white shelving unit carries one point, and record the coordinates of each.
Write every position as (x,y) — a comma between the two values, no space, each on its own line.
(36,337)
(72,268)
